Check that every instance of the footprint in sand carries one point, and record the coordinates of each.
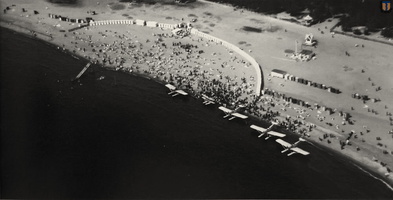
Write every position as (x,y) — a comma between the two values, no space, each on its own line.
(198,26)
(191,15)
(244,43)
(273,29)
(132,6)
(258,21)
(208,14)
(346,68)
(117,6)
(251,29)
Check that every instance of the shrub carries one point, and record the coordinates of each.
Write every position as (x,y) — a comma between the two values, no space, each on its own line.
(357,32)
(387,32)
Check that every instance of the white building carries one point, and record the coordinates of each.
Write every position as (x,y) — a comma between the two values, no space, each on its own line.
(306,21)
(151,24)
(140,22)
(278,73)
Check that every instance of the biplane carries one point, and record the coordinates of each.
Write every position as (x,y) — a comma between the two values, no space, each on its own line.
(174,92)
(267,131)
(232,113)
(292,147)
(208,100)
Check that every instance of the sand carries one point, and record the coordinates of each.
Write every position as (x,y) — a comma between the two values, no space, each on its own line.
(266,43)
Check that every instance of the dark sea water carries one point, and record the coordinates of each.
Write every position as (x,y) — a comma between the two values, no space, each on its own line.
(124,137)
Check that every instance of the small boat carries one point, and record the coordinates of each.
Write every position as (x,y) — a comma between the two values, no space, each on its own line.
(101,78)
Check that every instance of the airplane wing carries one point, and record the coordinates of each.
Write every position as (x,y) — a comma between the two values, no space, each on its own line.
(257,128)
(299,150)
(224,109)
(210,99)
(283,143)
(181,92)
(276,134)
(240,115)
(205,96)
(171,87)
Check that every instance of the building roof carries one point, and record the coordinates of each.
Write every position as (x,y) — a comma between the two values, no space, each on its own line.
(279,71)
(308,17)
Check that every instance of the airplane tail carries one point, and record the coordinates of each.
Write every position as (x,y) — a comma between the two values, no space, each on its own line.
(269,136)
(291,153)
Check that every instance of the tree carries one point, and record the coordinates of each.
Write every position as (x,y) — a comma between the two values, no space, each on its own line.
(387,32)
(357,32)
(372,23)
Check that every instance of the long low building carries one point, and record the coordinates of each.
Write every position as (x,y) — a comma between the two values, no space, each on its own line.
(151,24)
(140,22)
(278,73)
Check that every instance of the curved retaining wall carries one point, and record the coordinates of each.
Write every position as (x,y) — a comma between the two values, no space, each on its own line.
(194,32)
(237,50)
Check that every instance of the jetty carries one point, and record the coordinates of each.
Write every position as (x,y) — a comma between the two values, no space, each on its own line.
(83,71)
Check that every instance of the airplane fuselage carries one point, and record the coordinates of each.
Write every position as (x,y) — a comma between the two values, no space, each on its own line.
(287,149)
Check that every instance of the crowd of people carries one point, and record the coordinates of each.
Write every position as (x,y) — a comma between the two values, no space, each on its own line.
(205,67)
(191,63)
(198,66)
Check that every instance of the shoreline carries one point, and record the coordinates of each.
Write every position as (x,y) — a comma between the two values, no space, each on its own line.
(368,166)
(362,166)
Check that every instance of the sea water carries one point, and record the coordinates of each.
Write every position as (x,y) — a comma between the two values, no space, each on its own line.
(124,137)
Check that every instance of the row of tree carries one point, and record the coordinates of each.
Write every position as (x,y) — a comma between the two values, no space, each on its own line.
(356,12)
(352,12)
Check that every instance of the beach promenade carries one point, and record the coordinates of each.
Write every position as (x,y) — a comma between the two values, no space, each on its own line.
(222,59)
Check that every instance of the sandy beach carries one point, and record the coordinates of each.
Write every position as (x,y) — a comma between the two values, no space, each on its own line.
(350,64)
